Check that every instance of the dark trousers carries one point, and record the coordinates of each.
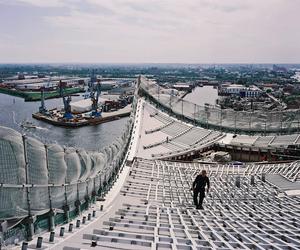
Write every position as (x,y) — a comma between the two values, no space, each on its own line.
(199,194)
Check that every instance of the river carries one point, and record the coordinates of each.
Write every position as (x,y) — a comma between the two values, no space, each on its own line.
(14,110)
(202,95)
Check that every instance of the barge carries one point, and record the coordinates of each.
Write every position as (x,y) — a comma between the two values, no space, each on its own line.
(56,118)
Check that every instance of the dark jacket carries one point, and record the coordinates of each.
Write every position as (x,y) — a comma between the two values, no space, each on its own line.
(200,182)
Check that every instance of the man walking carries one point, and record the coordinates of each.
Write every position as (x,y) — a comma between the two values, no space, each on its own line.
(199,188)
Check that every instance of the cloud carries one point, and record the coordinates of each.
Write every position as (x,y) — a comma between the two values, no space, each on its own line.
(226,5)
(40,3)
(161,30)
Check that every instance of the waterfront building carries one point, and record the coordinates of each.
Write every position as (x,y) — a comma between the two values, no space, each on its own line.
(240,90)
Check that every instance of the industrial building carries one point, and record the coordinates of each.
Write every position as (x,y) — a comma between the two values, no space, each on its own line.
(240,90)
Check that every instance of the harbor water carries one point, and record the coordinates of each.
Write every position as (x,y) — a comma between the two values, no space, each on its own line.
(14,110)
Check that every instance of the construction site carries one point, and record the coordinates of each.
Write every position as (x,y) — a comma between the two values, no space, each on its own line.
(137,192)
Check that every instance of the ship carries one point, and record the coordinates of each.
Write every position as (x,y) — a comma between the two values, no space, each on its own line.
(27,124)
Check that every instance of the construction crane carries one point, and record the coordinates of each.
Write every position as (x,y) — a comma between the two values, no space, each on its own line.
(61,86)
(66,100)
(95,93)
(67,107)
(92,80)
(42,108)
(89,87)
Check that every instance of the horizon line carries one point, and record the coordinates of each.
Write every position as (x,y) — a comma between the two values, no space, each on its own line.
(139,63)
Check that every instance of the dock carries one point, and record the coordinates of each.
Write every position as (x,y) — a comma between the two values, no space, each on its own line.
(80,121)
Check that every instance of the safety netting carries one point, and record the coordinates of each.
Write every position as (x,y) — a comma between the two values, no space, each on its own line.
(273,122)
(36,177)
(12,172)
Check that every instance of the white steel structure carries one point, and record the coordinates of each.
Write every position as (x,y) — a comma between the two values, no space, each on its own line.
(149,205)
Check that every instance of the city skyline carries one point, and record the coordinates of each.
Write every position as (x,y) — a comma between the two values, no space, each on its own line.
(131,31)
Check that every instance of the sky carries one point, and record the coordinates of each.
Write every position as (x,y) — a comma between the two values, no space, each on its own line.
(150,31)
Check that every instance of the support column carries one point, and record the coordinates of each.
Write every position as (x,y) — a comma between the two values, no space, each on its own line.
(87,197)
(29,219)
(30,227)
(100,186)
(51,220)
(105,184)
(66,209)
(51,212)
(94,193)
(77,202)
(77,206)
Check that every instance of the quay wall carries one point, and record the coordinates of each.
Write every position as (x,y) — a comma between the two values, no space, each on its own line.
(36,96)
